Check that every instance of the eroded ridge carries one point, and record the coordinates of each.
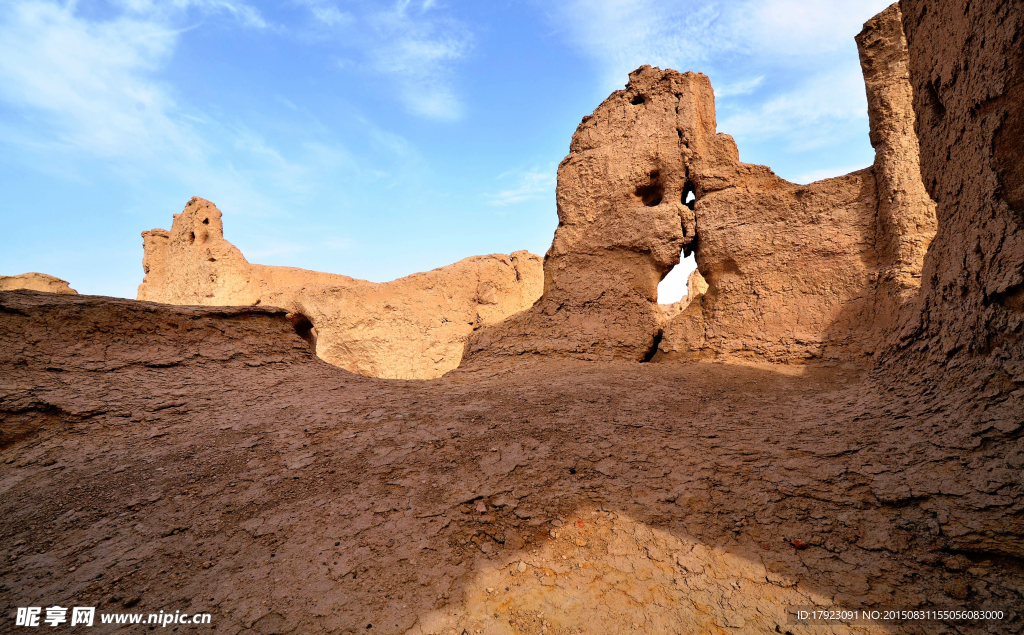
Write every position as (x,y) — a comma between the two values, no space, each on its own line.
(411,328)
(34,281)
(794,272)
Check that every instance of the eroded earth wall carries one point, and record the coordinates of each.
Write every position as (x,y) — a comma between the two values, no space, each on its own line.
(794,272)
(906,214)
(823,270)
(411,328)
(967,70)
(620,205)
(35,282)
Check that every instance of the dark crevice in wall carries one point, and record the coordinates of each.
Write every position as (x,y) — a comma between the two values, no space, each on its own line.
(654,346)
(304,328)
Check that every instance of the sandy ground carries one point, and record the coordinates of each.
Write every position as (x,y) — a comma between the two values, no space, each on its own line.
(284,495)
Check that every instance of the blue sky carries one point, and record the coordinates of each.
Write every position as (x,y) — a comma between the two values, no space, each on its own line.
(373,139)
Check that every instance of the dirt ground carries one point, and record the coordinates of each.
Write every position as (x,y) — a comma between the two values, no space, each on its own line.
(284,495)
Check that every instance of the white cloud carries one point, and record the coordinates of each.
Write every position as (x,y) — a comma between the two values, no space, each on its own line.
(92,82)
(741,87)
(245,14)
(415,44)
(532,184)
(800,28)
(326,12)
(389,142)
(417,49)
(774,41)
(92,89)
(807,115)
(624,34)
(826,173)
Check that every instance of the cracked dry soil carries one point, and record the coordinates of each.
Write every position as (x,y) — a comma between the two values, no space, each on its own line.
(284,495)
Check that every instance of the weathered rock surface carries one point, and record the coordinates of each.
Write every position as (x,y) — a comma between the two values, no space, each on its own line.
(789,267)
(822,270)
(203,460)
(621,226)
(906,214)
(794,271)
(35,282)
(967,71)
(411,328)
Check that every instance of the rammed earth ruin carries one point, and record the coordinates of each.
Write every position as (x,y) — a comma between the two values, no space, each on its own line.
(411,328)
(793,272)
(831,416)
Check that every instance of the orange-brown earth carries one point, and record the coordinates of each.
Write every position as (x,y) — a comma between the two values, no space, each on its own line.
(410,328)
(206,460)
(35,282)
(157,457)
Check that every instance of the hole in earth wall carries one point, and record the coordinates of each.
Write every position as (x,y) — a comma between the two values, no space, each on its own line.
(304,328)
(652,192)
(672,288)
(689,197)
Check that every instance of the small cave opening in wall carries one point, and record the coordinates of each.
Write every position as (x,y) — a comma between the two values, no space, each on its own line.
(652,192)
(304,328)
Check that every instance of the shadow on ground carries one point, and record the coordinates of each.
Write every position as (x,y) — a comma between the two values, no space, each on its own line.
(284,495)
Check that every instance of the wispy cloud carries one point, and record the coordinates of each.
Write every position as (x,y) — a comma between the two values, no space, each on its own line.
(784,69)
(93,85)
(801,29)
(85,89)
(741,87)
(247,15)
(417,48)
(532,184)
(242,12)
(826,173)
(808,115)
(415,44)
(684,34)
(327,13)
(623,34)
(91,82)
